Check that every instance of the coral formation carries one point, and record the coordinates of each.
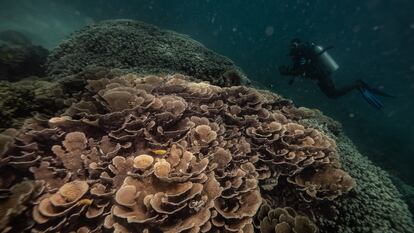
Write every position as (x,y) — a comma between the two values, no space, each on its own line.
(270,219)
(374,205)
(19,58)
(143,48)
(305,114)
(130,45)
(14,201)
(164,154)
(406,190)
(20,99)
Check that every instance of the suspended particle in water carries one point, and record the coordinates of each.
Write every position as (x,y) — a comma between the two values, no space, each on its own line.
(391,113)
(269,30)
(377,27)
(351,115)
(356,28)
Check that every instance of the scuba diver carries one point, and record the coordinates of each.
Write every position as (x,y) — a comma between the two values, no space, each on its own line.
(313,62)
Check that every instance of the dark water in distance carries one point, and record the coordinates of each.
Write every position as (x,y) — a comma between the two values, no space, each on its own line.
(373,39)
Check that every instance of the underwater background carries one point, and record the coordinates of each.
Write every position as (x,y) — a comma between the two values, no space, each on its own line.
(373,40)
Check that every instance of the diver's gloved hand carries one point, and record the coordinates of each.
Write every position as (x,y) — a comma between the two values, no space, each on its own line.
(284,70)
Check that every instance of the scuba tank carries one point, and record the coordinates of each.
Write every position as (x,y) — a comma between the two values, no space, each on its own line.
(325,60)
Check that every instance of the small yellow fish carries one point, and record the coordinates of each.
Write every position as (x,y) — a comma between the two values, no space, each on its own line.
(85,201)
(159,152)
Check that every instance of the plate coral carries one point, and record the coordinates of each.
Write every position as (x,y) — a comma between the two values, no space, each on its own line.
(164,154)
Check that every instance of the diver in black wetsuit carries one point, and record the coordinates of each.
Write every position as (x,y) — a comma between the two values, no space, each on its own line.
(314,62)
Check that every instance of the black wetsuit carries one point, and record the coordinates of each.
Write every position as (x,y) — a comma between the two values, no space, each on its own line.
(306,65)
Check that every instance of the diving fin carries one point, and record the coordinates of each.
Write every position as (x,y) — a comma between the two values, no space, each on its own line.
(371,98)
(381,93)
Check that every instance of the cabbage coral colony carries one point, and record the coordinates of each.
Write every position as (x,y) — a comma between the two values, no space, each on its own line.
(163,154)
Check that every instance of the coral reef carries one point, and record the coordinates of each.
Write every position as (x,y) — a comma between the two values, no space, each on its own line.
(374,205)
(142,48)
(164,154)
(18,100)
(124,44)
(19,58)
(16,200)
(303,115)
(271,219)
(406,190)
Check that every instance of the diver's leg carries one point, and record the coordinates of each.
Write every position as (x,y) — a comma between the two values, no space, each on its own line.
(328,88)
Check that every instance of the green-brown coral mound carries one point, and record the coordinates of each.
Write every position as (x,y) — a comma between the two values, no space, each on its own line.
(143,48)
(19,58)
(164,154)
(20,99)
